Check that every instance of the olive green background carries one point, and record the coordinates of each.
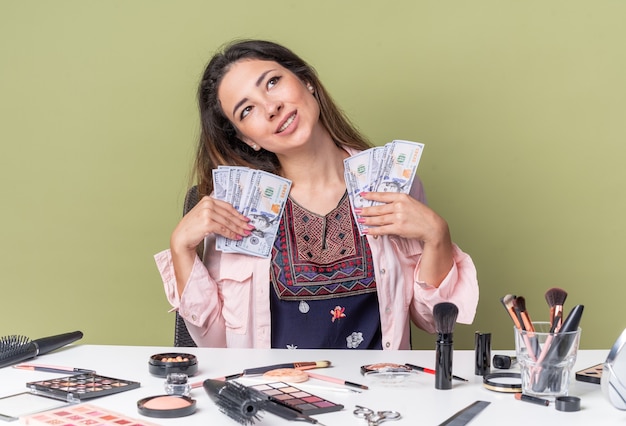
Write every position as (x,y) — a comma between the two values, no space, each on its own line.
(521,105)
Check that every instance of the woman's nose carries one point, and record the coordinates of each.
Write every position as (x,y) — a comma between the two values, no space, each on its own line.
(273,108)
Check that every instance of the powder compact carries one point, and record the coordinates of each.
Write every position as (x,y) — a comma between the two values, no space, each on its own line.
(166,406)
(163,364)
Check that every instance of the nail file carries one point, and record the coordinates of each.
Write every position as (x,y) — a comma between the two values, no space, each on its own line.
(466,415)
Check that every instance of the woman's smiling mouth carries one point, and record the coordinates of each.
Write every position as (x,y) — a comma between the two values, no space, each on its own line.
(286,123)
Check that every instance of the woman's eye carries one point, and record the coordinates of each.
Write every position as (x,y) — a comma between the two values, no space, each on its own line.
(245,112)
(272,82)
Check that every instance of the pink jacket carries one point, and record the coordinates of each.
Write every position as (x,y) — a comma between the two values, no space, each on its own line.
(227,302)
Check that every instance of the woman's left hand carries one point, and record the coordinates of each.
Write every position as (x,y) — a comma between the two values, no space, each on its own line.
(402,215)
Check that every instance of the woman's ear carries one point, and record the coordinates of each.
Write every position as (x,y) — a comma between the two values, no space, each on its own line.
(248,142)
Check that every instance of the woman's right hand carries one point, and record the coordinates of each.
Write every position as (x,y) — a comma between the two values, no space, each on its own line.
(209,216)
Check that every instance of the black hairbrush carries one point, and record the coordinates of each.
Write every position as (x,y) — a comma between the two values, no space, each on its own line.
(243,404)
(237,401)
(14,349)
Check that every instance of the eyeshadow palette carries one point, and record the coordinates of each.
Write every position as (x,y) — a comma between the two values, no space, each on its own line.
(591,374)
(81,415)
(297,399)
(80,387)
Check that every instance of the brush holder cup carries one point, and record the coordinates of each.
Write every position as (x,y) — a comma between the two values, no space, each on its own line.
(546,359)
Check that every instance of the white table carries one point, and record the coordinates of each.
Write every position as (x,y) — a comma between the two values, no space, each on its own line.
(418,401)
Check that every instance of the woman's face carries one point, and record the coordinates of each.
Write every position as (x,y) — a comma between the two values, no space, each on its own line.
(268,105)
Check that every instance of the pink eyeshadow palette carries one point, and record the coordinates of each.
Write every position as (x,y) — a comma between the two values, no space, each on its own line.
(297,399)
(82,415)
(80,387)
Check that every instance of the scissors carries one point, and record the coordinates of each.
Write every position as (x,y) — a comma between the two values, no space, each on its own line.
(375,418)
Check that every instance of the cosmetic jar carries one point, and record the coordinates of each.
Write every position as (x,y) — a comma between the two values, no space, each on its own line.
(567,403)
(163,364)
(177,384)
(166,406)
(503,362)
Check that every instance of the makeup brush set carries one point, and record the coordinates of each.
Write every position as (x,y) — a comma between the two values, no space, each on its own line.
(546,351)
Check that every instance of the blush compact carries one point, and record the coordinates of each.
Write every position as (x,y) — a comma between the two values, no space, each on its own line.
(163,364)
(166,406)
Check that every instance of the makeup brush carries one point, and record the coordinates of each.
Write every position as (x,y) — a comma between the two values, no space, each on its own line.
(15,349)
(527,325)
(445,315)
(508,301)
(555,348)
(303,365)
(520,306)
(556,299)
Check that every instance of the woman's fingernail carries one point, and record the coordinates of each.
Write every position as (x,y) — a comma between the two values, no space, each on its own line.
(247,233)
(360,220)
(358,211)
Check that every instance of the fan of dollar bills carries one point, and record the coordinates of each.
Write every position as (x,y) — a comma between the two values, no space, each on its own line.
(388,168)
(261,196)
(258,195)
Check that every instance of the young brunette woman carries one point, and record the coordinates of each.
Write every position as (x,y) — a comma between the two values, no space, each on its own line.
(324,285)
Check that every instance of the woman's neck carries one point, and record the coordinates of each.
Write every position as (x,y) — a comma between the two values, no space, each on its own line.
(317,176)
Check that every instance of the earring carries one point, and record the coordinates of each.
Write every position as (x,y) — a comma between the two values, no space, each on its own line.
(310,88)
(254,146)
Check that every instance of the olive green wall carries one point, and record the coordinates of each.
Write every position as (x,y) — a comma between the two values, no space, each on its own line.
(521,105)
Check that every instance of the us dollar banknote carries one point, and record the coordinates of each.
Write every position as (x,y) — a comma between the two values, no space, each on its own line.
(258,195)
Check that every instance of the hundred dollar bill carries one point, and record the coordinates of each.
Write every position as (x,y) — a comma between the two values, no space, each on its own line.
(355,197)
(264,204)
(221,185)
(377,160)
(391,167)
(358,177)
(359,166)
(399,167)
(238,184)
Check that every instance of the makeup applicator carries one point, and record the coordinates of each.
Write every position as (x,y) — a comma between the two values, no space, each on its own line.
(508,301)
(556,299)
(519,304)
(445,315)
(14,349)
